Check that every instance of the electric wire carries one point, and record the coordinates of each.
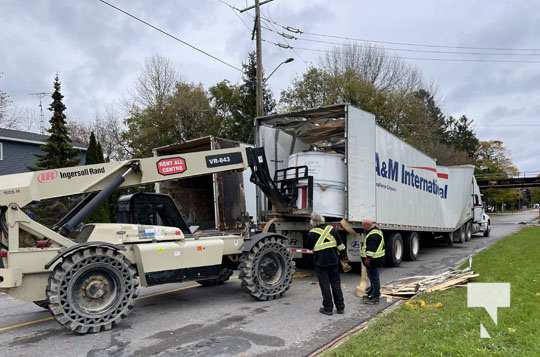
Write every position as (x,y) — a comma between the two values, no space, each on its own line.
(480,60)
(425,51)
(171,36)
(285,39)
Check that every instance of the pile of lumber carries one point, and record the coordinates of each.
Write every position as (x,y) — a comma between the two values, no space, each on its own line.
(408,287)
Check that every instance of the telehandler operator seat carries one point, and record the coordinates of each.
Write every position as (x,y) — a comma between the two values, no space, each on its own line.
(150,209)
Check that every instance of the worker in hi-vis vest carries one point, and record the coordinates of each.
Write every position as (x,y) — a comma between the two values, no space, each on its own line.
(372,254)
(326,244)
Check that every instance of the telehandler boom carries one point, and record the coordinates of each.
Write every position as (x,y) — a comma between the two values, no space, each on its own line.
(88,275)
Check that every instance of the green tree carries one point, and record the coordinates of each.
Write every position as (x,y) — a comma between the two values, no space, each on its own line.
(235,104)
(185,114)
(460,135)
(94,155)
(535,194)
(58,150)
(493,161)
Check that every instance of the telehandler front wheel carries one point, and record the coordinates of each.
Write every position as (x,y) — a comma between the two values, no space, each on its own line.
(92,289)
(267,270)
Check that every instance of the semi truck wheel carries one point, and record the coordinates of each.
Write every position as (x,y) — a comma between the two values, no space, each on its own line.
(92,290)
(224,275)
(267,270)
(394,249)
(411,245)
(487,231)
(468,231)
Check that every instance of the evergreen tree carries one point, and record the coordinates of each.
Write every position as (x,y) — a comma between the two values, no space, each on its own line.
(58,151)
(100,152)
(235,104)
(94,155)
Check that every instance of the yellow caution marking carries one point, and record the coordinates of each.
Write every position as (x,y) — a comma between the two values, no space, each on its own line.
(38,321)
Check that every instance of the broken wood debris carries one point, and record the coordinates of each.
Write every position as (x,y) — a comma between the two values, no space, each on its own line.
(411,286)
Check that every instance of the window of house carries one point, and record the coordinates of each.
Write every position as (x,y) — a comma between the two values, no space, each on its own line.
(1,151)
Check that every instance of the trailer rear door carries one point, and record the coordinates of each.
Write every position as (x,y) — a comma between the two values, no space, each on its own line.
(360,129)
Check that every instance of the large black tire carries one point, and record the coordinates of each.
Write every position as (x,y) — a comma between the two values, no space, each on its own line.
(468,231)
(459,235)
(224,275)
(487,231)
(394,249)
(449,239)
(267,270)
(92,290)
(411,245)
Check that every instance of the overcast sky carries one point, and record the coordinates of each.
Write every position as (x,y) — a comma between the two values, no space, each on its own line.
(99,52)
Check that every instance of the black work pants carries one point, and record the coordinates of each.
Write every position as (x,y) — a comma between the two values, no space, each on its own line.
(373,275)
(330,284)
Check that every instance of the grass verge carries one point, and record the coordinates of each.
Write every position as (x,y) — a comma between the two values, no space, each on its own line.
(454,329)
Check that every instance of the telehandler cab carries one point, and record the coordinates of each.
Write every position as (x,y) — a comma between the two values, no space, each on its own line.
(88,275)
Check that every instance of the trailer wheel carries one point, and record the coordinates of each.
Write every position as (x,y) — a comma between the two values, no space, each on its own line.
(449,239)
(394,250)
(92,290)
(224,275)
(459,235)
(267,269)
(411,245)
(468,231)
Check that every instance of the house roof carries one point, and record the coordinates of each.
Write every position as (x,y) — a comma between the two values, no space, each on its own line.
(30,138)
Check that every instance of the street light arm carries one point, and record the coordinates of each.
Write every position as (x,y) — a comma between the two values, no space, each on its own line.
(288,60)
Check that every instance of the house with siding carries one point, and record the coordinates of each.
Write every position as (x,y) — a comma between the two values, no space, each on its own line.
(18,150)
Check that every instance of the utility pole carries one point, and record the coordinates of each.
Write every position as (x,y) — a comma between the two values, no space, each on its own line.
(258,41)
(260,99)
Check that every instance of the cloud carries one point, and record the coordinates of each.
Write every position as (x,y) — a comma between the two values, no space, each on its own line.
(99,52)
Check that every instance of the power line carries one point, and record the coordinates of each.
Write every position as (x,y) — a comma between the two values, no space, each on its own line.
(235,10)
(171,36)
(413,44)
(422,45)
(285,39)
(480,60)
(426,51)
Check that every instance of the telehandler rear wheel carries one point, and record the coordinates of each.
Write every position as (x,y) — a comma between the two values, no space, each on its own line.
(92,289)
(267,270)
(224,275)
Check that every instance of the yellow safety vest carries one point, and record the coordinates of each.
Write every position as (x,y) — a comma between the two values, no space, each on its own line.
(326,239)
(380,250)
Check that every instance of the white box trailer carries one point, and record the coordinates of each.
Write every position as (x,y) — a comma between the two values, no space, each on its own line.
(384,179)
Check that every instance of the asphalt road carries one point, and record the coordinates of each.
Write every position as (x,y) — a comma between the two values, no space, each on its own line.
(189,320)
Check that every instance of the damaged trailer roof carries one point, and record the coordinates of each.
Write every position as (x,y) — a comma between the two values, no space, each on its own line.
(324,126)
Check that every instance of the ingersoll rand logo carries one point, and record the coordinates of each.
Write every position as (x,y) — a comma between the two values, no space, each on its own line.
(47,176)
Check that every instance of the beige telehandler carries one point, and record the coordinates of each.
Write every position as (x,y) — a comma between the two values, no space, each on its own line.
(88,275)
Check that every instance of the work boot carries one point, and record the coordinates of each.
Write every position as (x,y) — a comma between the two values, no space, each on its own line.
(341,311)
(371,300)
(326,312)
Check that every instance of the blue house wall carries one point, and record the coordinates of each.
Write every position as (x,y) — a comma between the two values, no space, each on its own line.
(17,157)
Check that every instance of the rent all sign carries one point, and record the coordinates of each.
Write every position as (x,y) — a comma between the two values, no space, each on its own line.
(171,166)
